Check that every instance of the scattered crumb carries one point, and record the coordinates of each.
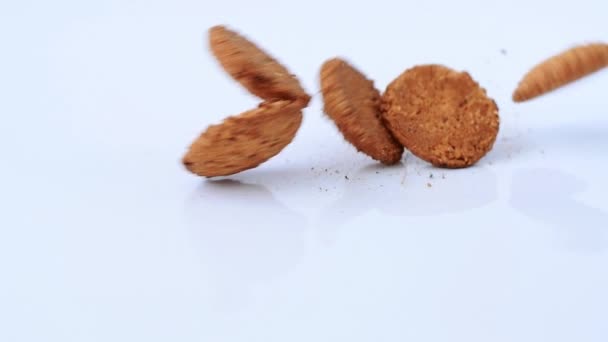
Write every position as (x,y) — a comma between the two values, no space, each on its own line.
(429,185)
(431,176)
(377,172)
(346,177)
(490,163)
(503,52)
(325,170)
(312,169)
(443,176)
(337,172)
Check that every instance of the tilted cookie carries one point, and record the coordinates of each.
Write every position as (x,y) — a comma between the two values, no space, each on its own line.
(561,69)
(353,103)
(244,141)
(256,70)
(441,115)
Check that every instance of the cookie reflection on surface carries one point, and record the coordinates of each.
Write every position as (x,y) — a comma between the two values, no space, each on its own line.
(548,196)
(415,189)
(244,236)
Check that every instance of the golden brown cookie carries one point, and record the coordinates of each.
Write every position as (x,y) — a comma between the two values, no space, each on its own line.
(353,103)
(245,141)
(257,71)
(441,116)
(561,69)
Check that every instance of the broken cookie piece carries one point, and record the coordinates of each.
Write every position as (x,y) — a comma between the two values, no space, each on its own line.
(353,103)
(441,115)
(256,70)
(244,141)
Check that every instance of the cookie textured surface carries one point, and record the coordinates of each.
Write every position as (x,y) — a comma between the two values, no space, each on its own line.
(353,103)
(256,70)
(562,69)
(245,141)
(441,115)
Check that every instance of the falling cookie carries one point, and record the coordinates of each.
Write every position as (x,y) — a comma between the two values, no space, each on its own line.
(257,71)
(243,142)
(353,103)
(562,69)
(441,115)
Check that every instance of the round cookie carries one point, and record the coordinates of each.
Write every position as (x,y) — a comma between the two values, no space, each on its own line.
(353,103)
(441,115)
(245,141)
(257,71)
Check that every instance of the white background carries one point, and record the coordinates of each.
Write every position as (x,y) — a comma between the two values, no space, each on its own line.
(105,237)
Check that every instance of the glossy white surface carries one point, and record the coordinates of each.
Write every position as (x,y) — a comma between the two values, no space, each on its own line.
(104,236)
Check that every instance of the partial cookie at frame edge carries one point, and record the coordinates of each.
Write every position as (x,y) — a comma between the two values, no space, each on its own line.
(561,70)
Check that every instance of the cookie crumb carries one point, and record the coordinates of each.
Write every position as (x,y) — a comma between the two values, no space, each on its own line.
(431,176)
(346,177)
(429,185)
